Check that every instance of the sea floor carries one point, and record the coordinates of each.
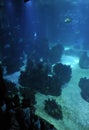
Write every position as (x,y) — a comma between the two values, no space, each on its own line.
(75,109)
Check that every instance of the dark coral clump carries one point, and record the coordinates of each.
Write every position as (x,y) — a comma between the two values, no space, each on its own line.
(62,73)
(84,85)
(84,61)
(11,49)
(55,53)
(41,50)
(29,94)
(36,76)
(10,87)
(53,87)
(53,109)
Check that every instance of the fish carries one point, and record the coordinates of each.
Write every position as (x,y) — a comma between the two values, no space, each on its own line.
(68,20)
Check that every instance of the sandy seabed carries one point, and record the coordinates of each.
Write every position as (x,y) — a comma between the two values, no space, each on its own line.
(75,109)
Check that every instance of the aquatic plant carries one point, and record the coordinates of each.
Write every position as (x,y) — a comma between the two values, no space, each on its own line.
(53,109)
(84,86)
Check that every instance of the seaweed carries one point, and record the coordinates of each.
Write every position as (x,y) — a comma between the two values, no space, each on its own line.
(53,109)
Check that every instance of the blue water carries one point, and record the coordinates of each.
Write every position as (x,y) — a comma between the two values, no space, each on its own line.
(47,31)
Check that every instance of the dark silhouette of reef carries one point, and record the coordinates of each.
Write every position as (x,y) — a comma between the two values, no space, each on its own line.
(41,78)
(84,86)
(62,72)
(14,109)
(53,109)
(2,84)
(11,50)
(84,61)
(55,53)
(11,88)
(13,53)
(41,50)
(29,94)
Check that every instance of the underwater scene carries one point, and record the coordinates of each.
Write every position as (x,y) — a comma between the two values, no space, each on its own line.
(44,57)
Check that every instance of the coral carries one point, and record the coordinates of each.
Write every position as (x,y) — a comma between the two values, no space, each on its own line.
(11,48)
(40,50)
(55,53)
(62,73)
(36,76)
(28,93)
(11,88)
(53,86)
(11,67)
(84,85)
(33,76)
(53,109)
(84,61)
